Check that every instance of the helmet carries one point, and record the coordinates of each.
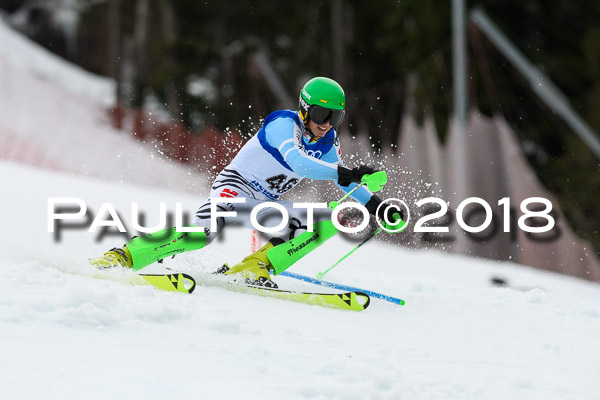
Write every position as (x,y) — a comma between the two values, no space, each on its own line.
(321,100)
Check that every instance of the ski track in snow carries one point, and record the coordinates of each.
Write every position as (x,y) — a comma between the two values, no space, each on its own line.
(65,334)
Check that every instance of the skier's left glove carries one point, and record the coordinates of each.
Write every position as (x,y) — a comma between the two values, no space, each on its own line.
(385,213)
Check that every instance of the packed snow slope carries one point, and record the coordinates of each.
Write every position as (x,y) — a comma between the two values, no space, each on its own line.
(67,335)
(53,114)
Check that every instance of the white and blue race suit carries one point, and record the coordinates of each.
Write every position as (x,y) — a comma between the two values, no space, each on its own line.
(270,164)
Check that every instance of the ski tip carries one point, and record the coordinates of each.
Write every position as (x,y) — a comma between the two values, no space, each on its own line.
(191,282)
(363,299)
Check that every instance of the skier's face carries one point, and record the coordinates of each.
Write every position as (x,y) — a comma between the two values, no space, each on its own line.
(319,130)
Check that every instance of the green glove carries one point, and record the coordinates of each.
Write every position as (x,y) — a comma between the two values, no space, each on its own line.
(375,181)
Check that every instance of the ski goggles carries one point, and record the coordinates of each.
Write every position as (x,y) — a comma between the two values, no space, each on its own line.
(321,115)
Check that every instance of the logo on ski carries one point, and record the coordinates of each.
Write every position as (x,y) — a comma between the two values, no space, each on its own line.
(302,245)
(345,298)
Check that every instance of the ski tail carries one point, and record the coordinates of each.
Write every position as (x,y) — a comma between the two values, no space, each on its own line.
(176,282)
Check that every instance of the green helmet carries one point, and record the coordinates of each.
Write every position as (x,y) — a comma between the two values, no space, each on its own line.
(322,99)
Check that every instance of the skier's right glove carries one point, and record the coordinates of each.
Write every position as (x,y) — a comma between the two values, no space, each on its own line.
(346,176)
(385,213)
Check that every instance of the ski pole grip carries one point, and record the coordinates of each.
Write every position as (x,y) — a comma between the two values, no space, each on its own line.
(375,181)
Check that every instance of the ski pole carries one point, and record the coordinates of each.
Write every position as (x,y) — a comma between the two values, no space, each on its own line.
(320,275)
(338,286)
(334,204)
(375,182)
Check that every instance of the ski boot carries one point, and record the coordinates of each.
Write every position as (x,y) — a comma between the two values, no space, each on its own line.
(254,269)
(113,258)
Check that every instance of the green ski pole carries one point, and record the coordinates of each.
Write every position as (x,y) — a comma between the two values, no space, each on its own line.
(334,204)
(282,257)
(375,182)
(320,275)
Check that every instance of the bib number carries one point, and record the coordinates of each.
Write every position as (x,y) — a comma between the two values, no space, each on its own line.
(280,183)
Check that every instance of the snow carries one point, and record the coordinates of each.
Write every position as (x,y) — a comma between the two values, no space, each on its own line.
(21,53)
(65,334)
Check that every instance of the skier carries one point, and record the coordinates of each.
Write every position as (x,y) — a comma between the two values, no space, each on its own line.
(291,145)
